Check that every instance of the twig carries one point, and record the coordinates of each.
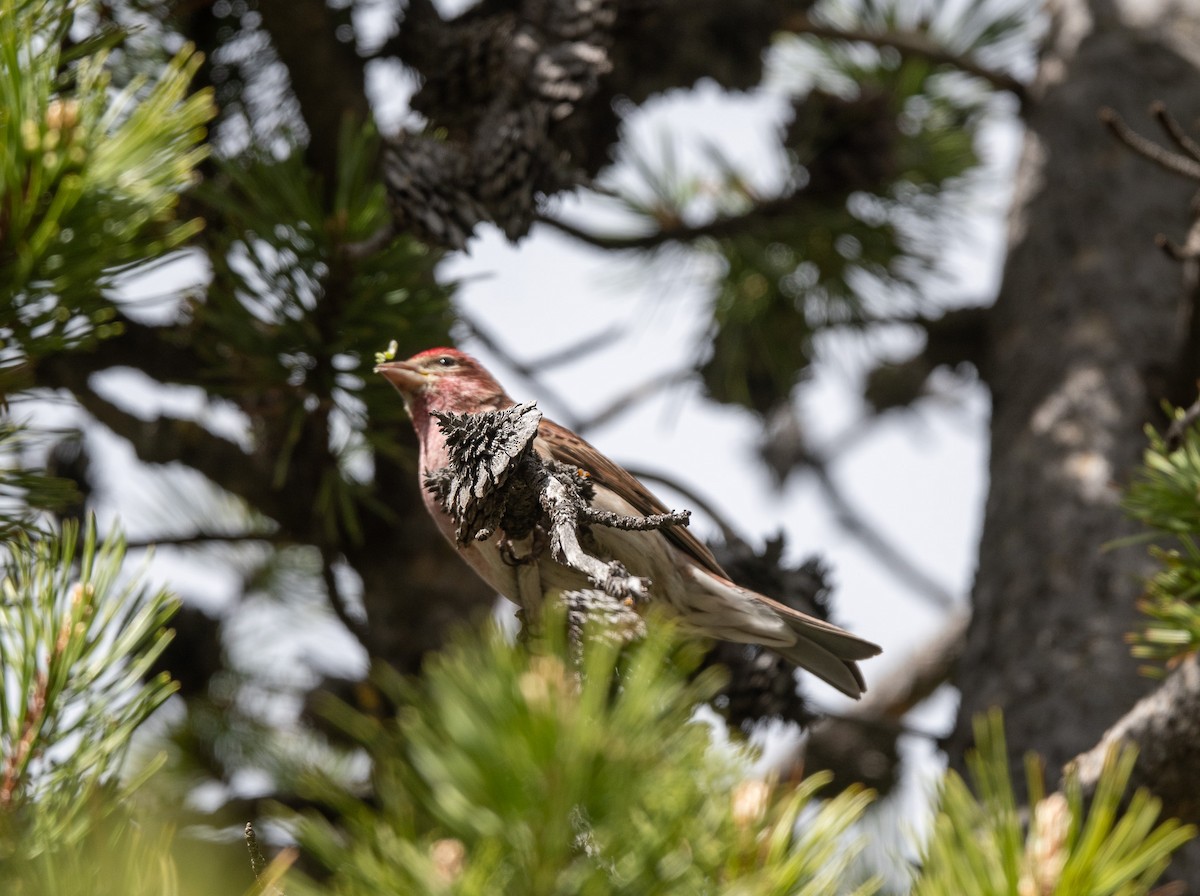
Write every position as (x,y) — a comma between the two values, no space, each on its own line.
(267,875)
(1174,129)
(206,538)
(621,622)
(564,506)
(494,345)
(728,532)
(533,370)
(577,350)
(1188,251)
(911,43)
(494,481)
(1164,158)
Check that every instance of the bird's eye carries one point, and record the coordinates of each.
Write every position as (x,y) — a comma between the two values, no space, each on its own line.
(446,361)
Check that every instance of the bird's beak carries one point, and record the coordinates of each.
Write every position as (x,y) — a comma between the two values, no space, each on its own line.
(403,375)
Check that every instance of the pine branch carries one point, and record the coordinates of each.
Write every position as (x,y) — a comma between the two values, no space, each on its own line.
(1164,158)
(911,43)
(166,440)
(919,582)
(861,744)
(720,227)
(1165,728)
(164,353)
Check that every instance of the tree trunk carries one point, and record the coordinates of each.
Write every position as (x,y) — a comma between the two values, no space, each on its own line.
(1082,338)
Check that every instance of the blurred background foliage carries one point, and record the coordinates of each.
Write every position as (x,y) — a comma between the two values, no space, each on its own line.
(192,144)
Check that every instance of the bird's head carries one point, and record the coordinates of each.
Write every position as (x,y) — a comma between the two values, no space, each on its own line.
(444,379)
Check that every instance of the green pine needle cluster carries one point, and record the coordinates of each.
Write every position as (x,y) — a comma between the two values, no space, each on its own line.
(880,153)
(25,491)
(503,773)
(90,176)
(1163,498)
(982,845)
(77,641)
(295,310)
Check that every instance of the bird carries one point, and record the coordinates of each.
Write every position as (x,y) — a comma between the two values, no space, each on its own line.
(685,578)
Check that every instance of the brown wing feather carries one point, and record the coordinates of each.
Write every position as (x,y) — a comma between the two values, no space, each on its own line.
(569,448)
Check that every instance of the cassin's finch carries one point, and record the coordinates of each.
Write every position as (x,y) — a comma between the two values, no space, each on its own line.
(683,573)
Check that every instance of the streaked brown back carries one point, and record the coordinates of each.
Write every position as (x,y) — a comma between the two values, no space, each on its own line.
(569,448)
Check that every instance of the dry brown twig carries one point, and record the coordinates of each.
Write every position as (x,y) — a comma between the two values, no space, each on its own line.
(1185,162)
(1166,159)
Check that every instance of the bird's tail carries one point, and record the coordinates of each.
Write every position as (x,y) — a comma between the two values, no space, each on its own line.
(822,648)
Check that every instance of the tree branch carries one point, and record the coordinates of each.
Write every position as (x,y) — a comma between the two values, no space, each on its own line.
(495,482)
(728,532)
(1174,129)
(956,337)
(201,538)
(860,744)
(337,601)
(1165,728)
(1164,158)
(529,372)
(579,349)
(721,226)
(921,584)
(911,43)
(629,398)
(164,353)
(167,440)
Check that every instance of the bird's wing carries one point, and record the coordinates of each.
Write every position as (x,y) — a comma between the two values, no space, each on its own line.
(569,448)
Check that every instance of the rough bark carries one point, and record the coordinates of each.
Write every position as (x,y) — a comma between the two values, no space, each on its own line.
(1165,728)
(1084,325)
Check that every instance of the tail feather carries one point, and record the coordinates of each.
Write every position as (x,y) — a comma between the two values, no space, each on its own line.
(824,649)
(835,639)
(840,673)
